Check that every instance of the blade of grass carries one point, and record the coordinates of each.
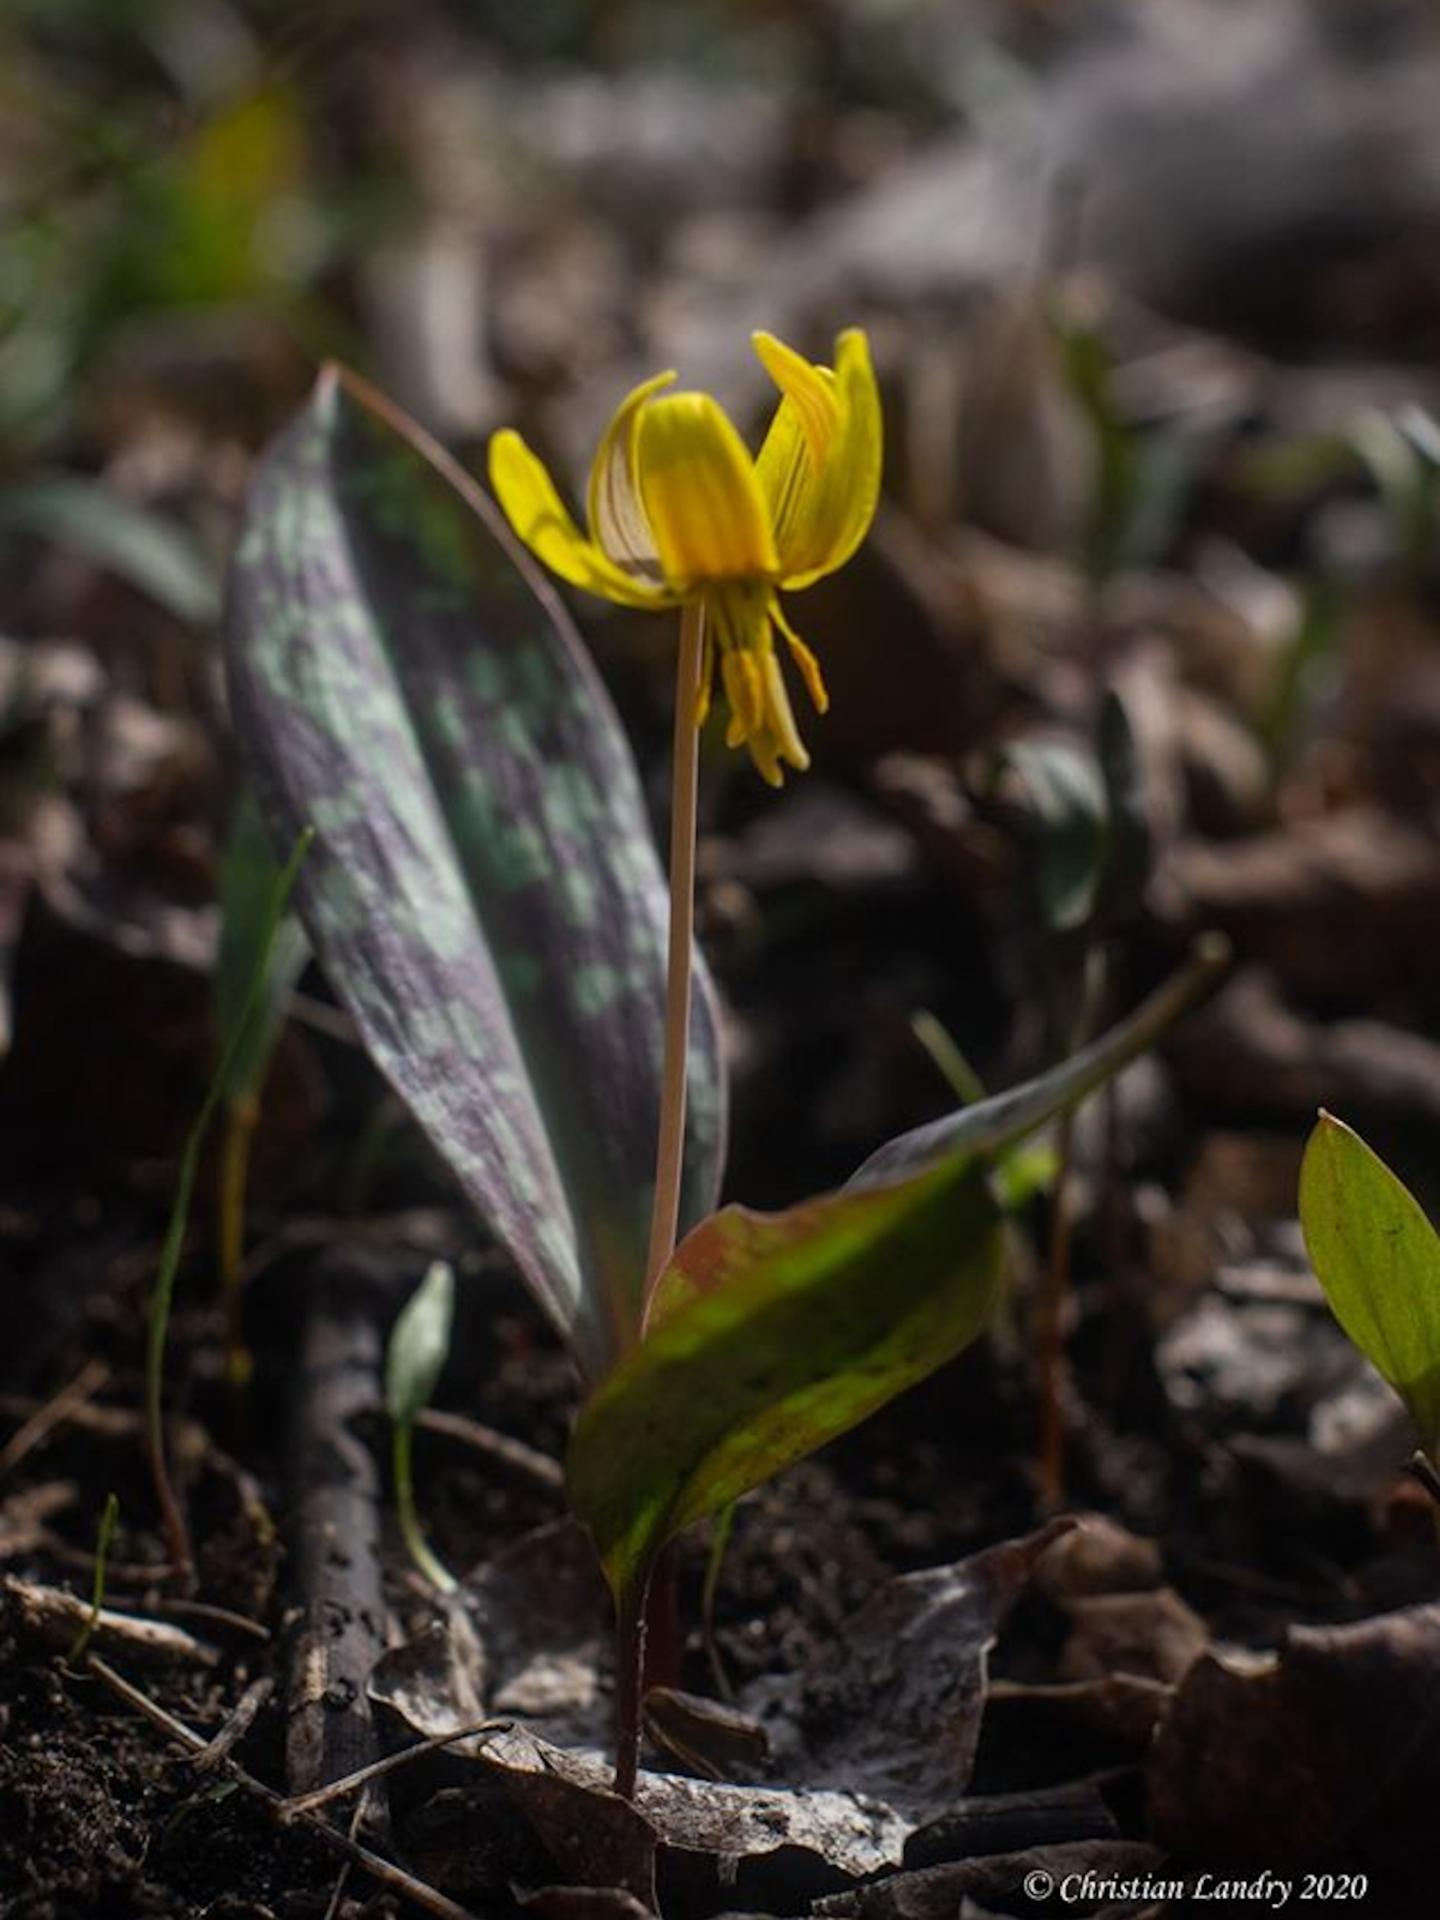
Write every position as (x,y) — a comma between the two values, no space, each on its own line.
(163,1294)
(104,1540)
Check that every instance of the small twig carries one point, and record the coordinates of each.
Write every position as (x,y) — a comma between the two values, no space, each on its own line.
(386,1872)
(334,1530)
(55,1412)
(299,1803)
(342,1879)
(54,1618)
(237,1725)
(527,1461)
(206,1610)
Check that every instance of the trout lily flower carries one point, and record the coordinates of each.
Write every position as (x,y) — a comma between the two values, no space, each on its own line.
(681,515)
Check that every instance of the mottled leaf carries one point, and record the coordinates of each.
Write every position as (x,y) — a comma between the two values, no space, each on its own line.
(248,874)
(1377,1256)
(484,892)
(773,1333)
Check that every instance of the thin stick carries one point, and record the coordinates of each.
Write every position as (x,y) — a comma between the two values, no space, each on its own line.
(342,1879)
(299,1803)
(237,1725)
(389,1875)
(55,1412)
(526,1462)
(669,1160)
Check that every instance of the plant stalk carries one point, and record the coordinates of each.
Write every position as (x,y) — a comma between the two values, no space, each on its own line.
(411,1532)
(658,1596)
(241,1118)
(629,1687)
(670,1155)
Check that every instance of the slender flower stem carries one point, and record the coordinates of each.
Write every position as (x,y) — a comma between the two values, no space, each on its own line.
(629,1688)
(658,1592)
(669,1163)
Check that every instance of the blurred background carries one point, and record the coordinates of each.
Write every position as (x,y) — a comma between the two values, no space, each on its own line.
(1154,290)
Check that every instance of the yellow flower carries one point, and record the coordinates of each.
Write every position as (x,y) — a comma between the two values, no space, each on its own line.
(679,512)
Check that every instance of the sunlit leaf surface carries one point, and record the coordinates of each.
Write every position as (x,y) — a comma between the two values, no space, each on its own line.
(1377,1256)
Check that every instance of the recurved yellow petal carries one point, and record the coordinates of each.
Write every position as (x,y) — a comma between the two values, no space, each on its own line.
(617,519)
(535,510)
(701,497)
(821,510)
(809,389)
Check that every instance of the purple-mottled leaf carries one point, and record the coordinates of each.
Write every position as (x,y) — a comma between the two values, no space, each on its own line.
(483,891)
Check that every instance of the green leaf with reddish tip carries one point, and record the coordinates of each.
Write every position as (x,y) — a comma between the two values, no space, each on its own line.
(483,893)
(773,1333)
(1377,1256)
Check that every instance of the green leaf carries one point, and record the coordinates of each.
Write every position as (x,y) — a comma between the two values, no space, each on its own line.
(989,1126)
(1023,1170)
(1065,793)
(151,553)
(419,1345)
(772,1334)
(1377,1256)
(248,874)
(484,892)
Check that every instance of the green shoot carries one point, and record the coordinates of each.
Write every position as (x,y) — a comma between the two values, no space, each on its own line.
(714,1566)
(246,1040)
(1022,1171)
(104,1540)
(163,1293)
(418,1350)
